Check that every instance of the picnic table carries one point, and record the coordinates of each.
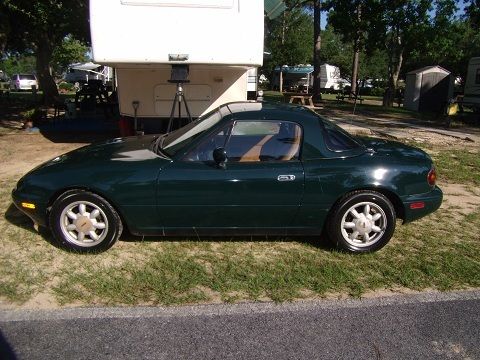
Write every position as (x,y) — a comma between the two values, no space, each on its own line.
(302,99)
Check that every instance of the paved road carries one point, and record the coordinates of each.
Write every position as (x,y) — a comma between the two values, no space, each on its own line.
(425,326)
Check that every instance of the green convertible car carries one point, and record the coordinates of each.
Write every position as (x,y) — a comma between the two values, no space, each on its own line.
(246,168)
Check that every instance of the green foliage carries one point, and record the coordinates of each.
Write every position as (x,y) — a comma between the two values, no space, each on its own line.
(66,86)
(337,52)
(472,12)
(356,21)
(70,51)
(289,39)
(38,27)
(22,64)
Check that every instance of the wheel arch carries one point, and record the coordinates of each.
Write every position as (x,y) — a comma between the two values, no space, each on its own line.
(390,195)
(59,193)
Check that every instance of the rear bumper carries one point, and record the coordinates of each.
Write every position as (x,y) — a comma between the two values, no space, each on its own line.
(431,202)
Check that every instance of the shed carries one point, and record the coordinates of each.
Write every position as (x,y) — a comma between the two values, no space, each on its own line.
(428,89)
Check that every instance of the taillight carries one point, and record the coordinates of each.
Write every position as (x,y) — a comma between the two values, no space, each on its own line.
(432,177)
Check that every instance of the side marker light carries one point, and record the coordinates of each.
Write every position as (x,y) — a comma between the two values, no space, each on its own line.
(417,205)
(28,205)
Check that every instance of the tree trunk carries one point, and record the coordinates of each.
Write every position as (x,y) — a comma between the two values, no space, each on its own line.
(394,67)
(356,53)
(317,44)
(44,73)
(280,80)
(356,56)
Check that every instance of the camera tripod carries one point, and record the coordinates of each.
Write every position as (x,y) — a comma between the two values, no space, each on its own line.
(178,99)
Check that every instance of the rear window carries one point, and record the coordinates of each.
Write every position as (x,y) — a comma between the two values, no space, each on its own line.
(337,139)
(27,77)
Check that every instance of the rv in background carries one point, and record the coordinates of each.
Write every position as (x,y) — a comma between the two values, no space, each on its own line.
(300,78)
(212,44)
(472,84)
(330,77)
(82,72)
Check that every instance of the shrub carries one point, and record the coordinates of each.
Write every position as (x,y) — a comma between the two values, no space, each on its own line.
(66,86)
(377,91)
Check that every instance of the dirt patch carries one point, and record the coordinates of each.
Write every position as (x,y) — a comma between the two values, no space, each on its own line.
(20,152)
(463,199)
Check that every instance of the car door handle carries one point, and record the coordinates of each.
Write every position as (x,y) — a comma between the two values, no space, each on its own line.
(286,177)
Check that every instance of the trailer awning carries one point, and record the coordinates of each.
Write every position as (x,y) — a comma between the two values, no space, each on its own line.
(274,8)
(84,66)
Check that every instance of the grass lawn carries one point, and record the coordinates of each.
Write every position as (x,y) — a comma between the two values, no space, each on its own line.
(440,251)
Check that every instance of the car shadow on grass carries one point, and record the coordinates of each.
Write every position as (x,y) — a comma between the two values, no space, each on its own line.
(19,219)
(320,242)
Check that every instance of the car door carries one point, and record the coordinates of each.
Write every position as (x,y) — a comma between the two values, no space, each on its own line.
(259,187)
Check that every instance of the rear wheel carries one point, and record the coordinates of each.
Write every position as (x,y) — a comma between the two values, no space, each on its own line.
(84,222)
(362,221)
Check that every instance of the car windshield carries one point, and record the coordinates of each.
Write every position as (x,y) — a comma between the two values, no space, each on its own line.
(178,139)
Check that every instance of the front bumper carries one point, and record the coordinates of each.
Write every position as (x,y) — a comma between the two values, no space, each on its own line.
(431,200)
(38,215)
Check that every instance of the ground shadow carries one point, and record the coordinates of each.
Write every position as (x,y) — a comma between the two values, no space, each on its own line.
(19,219)
(320,242)
(6,350)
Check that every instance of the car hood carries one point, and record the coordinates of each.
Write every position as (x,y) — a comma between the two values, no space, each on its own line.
(394,149)
(118,150)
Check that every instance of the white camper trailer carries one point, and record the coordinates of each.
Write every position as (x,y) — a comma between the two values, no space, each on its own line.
(82,72)
(330,77)
(301,76)
(472,84)
(215,42)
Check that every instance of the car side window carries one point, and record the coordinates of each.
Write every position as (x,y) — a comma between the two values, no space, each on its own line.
(336,140)
(264,141)
(249,141)
(204,151)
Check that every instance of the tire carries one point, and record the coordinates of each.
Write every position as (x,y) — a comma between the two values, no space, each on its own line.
(361,222)
(84,222)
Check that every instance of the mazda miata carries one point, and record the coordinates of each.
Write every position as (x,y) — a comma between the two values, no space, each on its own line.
(246,168)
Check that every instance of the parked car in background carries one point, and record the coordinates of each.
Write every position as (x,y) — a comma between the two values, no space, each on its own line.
(23,82)
(4,82)
(242,169)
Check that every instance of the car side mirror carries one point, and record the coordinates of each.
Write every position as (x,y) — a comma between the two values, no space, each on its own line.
(220,157)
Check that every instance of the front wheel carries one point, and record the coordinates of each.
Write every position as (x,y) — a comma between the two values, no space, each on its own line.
(84,222)
(362,221)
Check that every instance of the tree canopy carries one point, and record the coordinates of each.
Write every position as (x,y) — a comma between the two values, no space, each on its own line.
(289,39)
(38,28)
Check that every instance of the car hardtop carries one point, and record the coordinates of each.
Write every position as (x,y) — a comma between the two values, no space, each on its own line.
(268,111)
(314,127)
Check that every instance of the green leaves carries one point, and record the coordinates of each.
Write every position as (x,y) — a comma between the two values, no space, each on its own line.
(289,39)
